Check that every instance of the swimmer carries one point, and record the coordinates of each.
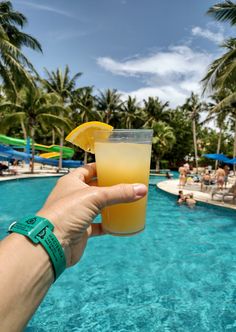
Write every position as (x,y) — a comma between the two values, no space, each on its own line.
(190,201)
(181,198)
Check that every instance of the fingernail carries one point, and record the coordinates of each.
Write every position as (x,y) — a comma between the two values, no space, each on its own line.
(139,189)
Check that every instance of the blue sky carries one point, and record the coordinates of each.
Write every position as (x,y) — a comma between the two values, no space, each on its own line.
(139,47)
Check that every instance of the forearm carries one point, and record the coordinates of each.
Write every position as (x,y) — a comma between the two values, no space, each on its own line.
(25,276)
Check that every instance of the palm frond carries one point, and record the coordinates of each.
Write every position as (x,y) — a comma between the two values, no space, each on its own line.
(7,79)
(10,120)
(227,102)
(55,120)
(225,11)
(5,106)
(23,39)
(8,15)
(222,69)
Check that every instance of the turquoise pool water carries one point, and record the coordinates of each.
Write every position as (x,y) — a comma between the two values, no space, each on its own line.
(178,275)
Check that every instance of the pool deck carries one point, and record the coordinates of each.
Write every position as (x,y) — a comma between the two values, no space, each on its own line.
(172,187)
(24,173)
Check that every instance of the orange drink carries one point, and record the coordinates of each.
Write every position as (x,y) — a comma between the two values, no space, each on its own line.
(123,156)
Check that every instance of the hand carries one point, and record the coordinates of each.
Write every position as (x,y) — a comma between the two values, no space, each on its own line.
(76,201)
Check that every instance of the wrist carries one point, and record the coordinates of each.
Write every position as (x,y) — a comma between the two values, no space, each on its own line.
(40,232)
(58,231)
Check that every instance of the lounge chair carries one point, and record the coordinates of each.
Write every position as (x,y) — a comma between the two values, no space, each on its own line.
(224,193)
(232,195)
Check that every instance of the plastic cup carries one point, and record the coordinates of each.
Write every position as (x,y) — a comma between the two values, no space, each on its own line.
(123,156)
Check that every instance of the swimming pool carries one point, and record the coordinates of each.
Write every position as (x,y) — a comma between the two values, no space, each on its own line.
(178,275)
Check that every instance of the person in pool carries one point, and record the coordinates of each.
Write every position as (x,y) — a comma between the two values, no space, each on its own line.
(180,198)
(26,270)
(190,201)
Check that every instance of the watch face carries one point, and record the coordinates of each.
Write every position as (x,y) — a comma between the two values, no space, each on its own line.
(31,221)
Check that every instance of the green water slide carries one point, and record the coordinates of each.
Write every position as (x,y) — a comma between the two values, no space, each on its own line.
(67,152)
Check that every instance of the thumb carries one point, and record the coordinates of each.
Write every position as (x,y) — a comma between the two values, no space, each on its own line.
(121,193)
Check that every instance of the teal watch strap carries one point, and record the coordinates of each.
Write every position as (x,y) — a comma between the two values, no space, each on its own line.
(39,230)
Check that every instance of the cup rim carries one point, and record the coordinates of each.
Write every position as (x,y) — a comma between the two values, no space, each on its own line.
(125,130)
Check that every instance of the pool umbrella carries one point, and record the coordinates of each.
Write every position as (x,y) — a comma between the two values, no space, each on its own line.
(232,161)
(218,156)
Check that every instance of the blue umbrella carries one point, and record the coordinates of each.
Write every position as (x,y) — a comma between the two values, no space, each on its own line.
(218,156)
(232,161)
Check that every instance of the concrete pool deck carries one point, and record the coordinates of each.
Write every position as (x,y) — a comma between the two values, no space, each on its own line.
(172,187)
(24,173)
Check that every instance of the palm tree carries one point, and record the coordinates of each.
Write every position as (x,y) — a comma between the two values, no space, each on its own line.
(109,102)
(219,117)
(83,103)
(222,72)
(34,109)
(163,140)
(228,105)
(130,110)
(154,110)
(62,84)
(224,11)
(10,20)
(193,106)
(15,68)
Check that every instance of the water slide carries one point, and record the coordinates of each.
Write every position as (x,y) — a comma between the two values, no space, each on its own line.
(7,152)
(16,142)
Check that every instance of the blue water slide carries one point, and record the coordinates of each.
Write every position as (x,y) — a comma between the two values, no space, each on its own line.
(7,153)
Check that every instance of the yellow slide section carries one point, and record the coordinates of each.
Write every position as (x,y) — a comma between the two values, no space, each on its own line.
(50,155)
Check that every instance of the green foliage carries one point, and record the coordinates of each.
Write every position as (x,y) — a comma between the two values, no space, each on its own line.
(182,128)
(154,110)
(162,142)
(15,68)
(48,107)
(109,103)
(224,11)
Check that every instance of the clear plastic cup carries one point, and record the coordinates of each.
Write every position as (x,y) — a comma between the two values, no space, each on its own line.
(123,156)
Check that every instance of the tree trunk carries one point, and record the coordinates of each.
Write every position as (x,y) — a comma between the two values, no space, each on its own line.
(108,116)
(218,146)
(25,136)
(234,153)
(85,158)
(53,136)
(158,165)
(195,144)
(23,129)
(32,149)
(61,150)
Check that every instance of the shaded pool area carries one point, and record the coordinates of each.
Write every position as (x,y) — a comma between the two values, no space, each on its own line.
(178,275)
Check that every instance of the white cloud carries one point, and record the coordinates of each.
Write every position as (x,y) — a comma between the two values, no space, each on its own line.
(171,75)
(176,60)
(215,37)
(165,93)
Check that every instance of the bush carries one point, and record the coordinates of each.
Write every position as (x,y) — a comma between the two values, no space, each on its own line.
(164,164)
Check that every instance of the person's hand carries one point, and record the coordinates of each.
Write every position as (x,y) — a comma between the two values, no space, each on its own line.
(76,201)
